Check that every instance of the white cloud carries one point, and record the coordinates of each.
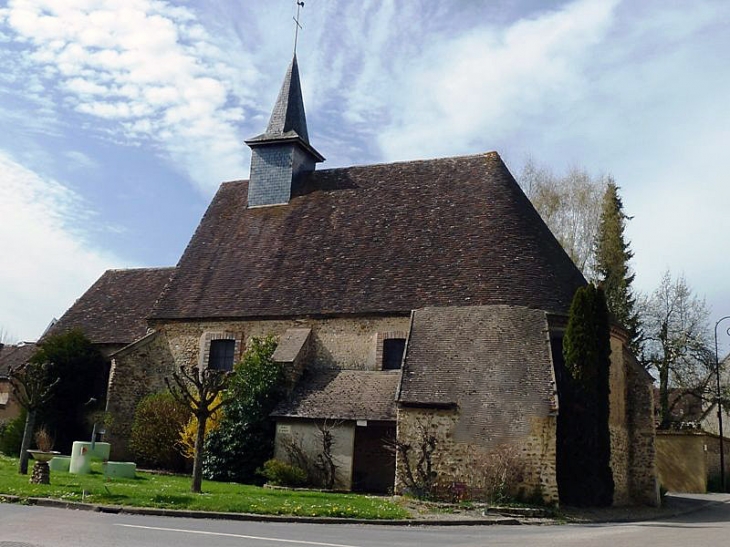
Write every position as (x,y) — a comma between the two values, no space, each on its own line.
(144,69)
(52,263)
(493,80)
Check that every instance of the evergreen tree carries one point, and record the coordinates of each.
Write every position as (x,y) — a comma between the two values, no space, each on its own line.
(584,443)
(612,265)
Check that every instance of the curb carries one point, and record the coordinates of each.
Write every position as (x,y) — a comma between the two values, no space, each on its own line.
(183,513)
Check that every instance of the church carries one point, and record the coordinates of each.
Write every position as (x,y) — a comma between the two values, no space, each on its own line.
(406,297)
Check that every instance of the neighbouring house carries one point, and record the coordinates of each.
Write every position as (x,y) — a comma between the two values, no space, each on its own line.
(11,356)
(113,312)
(404,295)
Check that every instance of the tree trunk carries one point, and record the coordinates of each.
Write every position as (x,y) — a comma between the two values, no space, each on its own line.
(664,417)
(198,461)
(25,445)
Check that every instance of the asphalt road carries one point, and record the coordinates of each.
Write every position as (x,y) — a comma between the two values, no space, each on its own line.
(23,526)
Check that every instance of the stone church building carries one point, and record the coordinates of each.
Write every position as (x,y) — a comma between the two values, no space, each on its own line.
(421,294)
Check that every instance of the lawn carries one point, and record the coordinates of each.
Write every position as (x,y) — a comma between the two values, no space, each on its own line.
(173,492)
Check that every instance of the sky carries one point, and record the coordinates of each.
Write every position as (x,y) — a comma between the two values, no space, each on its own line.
(119,120)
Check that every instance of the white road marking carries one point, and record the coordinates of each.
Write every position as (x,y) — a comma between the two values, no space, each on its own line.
(203,533)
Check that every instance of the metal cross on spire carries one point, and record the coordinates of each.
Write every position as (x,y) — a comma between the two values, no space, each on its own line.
(300,5)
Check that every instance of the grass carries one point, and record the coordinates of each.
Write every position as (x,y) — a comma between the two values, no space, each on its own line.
(173,492)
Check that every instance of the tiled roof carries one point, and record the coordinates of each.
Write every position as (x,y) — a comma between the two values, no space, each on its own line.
(492,362)
(114,310)
(15,356)
(343,395)
(374,239)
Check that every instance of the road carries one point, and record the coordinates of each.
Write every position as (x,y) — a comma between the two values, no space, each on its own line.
(23,526)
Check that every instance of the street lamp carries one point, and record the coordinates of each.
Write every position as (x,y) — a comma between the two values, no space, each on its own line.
(719,405)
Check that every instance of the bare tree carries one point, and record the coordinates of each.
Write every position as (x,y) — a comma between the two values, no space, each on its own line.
(676,343)
(198,390)
(416,459)
(571,207)
(32,387)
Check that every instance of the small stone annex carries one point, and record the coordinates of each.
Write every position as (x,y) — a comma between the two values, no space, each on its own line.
(421,294)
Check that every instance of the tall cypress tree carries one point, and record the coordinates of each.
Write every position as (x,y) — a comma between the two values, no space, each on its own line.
(584,443)
(612,265)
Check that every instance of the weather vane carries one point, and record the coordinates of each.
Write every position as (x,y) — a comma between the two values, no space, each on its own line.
(300,5)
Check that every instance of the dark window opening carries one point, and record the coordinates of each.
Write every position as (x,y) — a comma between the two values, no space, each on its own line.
(221,354)
(393,349)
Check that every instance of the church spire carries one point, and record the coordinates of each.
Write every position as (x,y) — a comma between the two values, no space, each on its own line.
(281,155)
(288,117)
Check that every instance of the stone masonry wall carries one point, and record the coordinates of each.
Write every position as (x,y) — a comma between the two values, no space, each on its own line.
(140,369)
(618,426)
(643,481)
(462,463)
(135,372)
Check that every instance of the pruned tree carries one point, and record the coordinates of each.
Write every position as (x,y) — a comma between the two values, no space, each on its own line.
(325,461)
(198,389)
(612,265)
(33,386)
(676,343)
(571,207)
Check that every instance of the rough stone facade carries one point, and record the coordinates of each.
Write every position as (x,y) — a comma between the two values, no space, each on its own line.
(140,369)
(643,483)
(460,462)
(618,426)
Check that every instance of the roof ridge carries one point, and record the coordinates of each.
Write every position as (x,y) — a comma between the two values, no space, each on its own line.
(490,153)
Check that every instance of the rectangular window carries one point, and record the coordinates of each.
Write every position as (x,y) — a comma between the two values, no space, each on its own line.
(393,349)
(221,354)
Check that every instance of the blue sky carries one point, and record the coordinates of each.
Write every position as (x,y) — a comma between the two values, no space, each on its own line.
(120,119)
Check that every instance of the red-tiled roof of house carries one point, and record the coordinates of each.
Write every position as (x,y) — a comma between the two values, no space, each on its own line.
(114,310)
(385,238)
(343,395)
(15,356)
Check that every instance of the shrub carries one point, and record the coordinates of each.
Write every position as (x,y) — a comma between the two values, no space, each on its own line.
(283,474)
(245,438)
(496,476)
(11,435)
(158,420)
(82,372)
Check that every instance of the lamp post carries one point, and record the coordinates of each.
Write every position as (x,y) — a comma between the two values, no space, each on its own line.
(719,405)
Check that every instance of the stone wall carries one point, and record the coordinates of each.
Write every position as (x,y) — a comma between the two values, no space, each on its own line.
(140,369)
(618,425)
(305,436)
(136,371)
(681,461)
(712,450)
(643,482)
(463,463)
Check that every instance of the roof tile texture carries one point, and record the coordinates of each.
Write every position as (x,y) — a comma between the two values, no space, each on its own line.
(493,362)
(115,309)
(343,395)
(15,356)
(374,239)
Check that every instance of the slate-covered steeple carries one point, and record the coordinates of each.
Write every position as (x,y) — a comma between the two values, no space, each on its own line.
(283,153)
